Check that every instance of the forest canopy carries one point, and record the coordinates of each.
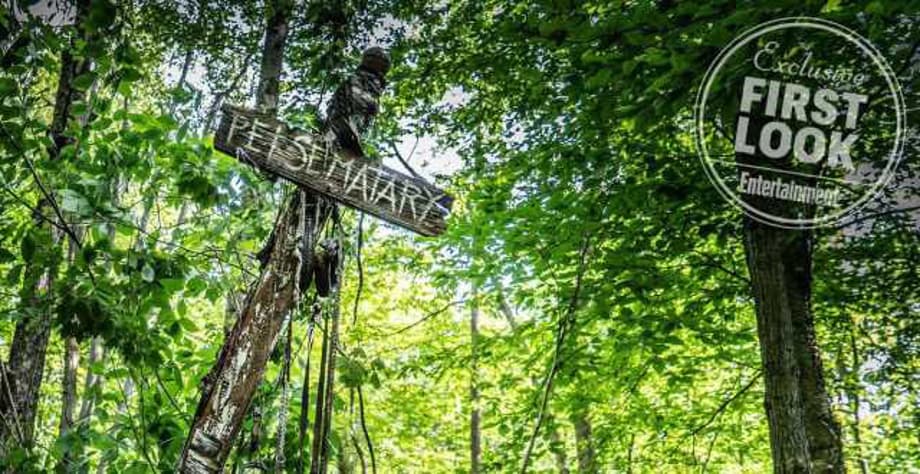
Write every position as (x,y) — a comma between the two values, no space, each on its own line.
(504,255)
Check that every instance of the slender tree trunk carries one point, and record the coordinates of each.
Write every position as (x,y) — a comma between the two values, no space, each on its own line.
(220,96)
(629,453)
(804,435)
(328,264)
(556,444)
(303,422)
(330,384)
(21,382)
(69,398)
(276,33)
(475,431)
(852,388)
(69,385)
(96,355)
(318,427)
(584,444)
(69,382)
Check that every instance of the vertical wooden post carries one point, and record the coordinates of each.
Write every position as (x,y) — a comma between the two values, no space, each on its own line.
(229,388)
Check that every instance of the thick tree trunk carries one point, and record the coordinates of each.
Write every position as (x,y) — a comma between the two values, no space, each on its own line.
(21,382)
(584,444)
(23,375)
(803,433)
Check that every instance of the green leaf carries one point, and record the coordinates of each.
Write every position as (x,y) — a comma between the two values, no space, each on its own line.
(84,81)
(8,86)
(129,74)
(147,273)
(74,202)
(27,248)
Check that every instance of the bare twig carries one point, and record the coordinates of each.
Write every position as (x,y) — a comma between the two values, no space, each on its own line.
(16,424)
(725,403)
(426,317)
(877,215)
(367,436)
(564,323)
(402,160)
(41,186)
(359,248)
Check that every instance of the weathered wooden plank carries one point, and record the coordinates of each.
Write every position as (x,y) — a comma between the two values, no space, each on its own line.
(305,159)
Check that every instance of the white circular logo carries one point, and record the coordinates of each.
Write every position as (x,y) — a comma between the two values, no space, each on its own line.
(799,122)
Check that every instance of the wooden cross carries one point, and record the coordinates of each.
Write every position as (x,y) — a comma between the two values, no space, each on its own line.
(308,160)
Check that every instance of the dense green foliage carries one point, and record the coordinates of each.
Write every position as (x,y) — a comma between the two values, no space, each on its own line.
(585,233)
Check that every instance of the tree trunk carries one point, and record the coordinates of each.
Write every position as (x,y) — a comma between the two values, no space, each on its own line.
(584,444)
(69,385)
(21,382)
(804,436)
(320,399)
(475,432)
(852,386)
(96,355)
(329,395)
(303,422)
(267,95)
(69,393)
(556,444)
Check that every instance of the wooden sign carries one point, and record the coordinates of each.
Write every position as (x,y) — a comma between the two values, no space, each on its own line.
(305,159)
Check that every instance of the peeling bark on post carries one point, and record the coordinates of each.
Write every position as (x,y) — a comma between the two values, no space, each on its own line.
(229,388)
(241,364)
